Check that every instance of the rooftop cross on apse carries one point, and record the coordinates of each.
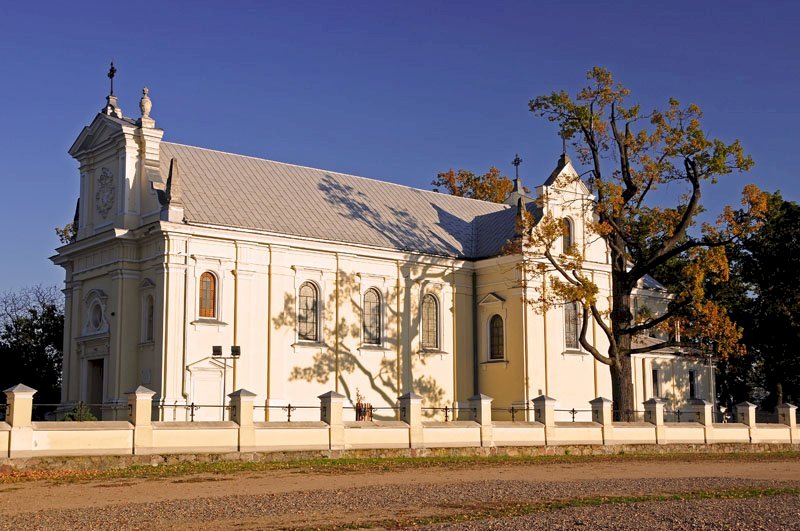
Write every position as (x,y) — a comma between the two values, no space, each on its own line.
(516,162)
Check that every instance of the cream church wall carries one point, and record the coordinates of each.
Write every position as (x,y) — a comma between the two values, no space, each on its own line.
(142,248)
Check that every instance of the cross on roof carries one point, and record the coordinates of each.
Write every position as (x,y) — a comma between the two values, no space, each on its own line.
(516,162)
(111,72)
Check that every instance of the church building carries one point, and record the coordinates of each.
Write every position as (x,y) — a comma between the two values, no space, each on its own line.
(195,272)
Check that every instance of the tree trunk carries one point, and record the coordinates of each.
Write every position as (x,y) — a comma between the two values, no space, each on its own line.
(622,389)
(621,319)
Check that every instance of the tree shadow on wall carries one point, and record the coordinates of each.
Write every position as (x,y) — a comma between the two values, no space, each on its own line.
(385,384)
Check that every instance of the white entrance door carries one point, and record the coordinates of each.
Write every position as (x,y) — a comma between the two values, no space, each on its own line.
(207,391)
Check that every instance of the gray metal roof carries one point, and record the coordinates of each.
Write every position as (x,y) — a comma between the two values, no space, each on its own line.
(245,192)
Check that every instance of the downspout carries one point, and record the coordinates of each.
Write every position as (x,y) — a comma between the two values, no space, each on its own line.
(269,330)
(166,329)
(455,339)
(594,338)
(336,323)
(544,322)
(398,335)
(475,378)
(526,388)
(235,313)
(184,392)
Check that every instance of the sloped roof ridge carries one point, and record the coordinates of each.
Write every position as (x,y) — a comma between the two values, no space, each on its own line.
(437,194)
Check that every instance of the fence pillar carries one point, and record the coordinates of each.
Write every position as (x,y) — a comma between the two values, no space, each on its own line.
(787,414)
(481,405)
(544,409)
(411,413)
(242,414)
(140,414)
(746,414)
(18,415)
(603,414)
(703,410)
(654,414)
(332,414)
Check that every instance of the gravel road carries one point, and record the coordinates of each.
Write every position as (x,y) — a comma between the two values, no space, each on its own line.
(456,497)
(772,512)
(401,503)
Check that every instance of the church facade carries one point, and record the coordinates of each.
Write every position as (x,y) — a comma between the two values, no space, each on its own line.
(311,281)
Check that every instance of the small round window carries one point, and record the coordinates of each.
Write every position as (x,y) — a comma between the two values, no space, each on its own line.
(96,316)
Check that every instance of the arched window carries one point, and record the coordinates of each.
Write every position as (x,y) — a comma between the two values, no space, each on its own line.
(571,328)
(496,346)
(430,322)
(372,317)
(149,318)
(566,228)
(208,295)
(308,313)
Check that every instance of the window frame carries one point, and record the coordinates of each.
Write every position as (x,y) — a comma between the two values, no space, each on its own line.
(437,345)
(365,337)
(149,318)
(655,380)
(692,378)
(214,297)
(567,234)
(567,347)
(316,313)
(502,343)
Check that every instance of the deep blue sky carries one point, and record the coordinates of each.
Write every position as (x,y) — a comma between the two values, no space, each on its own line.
(395,92)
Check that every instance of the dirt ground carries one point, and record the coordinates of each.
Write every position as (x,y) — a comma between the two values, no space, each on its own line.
(473,497)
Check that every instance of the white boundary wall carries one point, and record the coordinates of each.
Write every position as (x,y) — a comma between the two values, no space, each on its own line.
(139,435)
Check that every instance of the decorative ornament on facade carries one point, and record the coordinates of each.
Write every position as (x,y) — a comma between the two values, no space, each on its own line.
(104,199)
(95,316)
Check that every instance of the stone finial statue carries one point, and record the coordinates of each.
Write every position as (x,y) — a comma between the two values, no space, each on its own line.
(145,104)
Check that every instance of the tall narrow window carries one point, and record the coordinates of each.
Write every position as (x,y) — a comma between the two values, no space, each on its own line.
(372,317)
(496,350)
(656,384)
(308,313)
(692,385)
(566,228)
(430,322)
(149,318)
(208,295)
(571,329)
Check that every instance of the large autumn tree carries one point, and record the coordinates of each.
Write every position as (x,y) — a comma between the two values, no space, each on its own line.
(636,162)
(491,186)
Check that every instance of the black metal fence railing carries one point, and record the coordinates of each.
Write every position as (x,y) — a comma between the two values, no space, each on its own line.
(573,413)
(722,417)
(518,413)
(368,412)
(3,412)
(191,412)
(681,415)
(448,412)
(80,412)
(765,417)
(288,409)
(629,415)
